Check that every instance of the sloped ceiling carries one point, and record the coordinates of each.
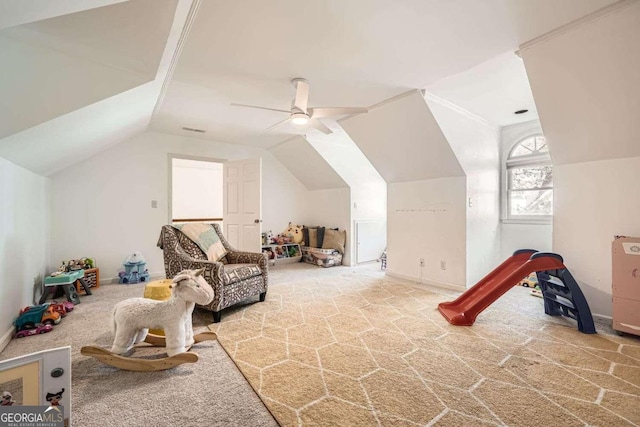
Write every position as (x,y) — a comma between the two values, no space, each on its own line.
(65,140)
(353,53)
(344,156)
(304,162)
(586,83)
(403,141)
(18,12)
(69,138)
(58,65)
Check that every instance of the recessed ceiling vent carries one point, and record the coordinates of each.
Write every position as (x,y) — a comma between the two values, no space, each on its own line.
(193,130)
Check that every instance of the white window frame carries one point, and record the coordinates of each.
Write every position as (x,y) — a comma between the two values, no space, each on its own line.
(520,161)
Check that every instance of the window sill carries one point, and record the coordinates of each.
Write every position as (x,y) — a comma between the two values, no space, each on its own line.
(525,221)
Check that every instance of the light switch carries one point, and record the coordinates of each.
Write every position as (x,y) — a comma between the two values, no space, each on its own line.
(154,204)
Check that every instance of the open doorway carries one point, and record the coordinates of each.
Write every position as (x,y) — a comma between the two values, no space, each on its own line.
(196,190)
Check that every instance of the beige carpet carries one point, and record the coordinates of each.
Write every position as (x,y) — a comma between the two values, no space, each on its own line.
(350,347)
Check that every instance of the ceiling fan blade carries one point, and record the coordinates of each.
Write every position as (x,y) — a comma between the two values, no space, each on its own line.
(261,108)
(272,127)
(302,94)
(335,111)
(317,124)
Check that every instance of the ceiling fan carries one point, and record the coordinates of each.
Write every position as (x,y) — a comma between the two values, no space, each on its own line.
(300,113)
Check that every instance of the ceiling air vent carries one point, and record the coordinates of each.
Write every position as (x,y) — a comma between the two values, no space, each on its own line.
(193,130)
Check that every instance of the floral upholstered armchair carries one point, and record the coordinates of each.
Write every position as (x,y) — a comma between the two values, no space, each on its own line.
(235,277)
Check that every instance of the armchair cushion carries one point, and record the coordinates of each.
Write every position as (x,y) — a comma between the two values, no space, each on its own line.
(234,273)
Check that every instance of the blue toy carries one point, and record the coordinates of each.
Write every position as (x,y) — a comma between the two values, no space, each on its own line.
(134,269)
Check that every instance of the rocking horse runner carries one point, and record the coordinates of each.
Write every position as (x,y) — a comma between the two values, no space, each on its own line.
(132,318)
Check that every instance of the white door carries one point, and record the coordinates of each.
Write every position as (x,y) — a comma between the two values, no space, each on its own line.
(242,204)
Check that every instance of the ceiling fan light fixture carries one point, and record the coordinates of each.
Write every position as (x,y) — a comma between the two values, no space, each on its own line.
(299,119)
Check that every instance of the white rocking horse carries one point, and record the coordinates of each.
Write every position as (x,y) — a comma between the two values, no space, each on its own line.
(131,320)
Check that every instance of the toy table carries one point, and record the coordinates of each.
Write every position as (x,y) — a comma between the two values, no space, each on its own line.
(66,281)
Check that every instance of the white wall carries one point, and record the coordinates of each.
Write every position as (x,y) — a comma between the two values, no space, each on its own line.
(427,219)
(516,236)
(522,234)
(476,144)
(196,189)
(330,208)
(595,201)
(368,189)
(115,187)
(369,203)
(24,239)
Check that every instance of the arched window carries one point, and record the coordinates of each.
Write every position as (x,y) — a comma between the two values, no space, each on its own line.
(529,180)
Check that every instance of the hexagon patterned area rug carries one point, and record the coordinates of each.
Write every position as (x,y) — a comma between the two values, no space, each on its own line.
(352,349)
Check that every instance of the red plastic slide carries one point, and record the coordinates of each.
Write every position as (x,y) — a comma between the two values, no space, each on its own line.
(464,309)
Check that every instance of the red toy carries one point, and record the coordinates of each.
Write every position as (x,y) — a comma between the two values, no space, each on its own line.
(40,329)
(63,308)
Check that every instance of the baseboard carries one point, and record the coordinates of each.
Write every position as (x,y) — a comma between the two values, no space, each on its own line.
(6,338)
(419,281)
(601,318)
(152,276)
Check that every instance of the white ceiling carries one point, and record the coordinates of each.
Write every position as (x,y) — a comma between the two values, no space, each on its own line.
(354,53)
(17,12)
(68,64)
(493,90)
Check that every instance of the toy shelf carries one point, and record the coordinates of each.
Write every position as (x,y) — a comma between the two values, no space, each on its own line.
(283,254)
(91,278)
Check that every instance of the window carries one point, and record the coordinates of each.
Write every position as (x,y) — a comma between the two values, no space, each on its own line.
(529,180)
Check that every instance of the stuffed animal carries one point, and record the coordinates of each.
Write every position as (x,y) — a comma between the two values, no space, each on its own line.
(132,318)
(294,232)
(269,237)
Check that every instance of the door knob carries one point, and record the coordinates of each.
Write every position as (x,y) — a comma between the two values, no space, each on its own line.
(257,221)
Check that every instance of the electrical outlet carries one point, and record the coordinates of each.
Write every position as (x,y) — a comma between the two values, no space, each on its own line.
(421,262)
(443,264)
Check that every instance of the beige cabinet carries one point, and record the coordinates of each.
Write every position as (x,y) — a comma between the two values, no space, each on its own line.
(625,255)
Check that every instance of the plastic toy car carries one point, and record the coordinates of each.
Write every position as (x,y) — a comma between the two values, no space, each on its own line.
(51,316)
(30,316)
(39,329)
(530,281)
(63,307)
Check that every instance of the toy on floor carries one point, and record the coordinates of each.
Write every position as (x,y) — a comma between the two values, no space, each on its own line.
(531,281)
(132,318)
(560,291)
(134,269)
(39,329)
(536,292)
(32,315)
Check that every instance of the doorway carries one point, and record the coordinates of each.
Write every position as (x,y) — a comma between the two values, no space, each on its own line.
(195,190)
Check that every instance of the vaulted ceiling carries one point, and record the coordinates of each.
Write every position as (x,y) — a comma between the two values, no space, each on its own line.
(71,68)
